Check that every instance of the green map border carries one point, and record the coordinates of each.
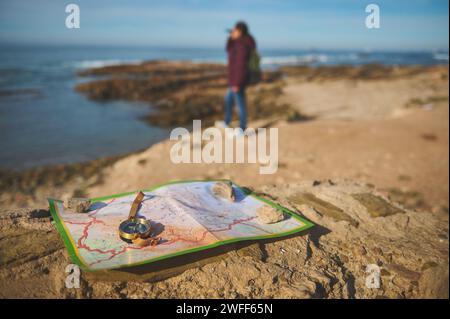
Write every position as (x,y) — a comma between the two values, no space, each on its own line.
(76,256)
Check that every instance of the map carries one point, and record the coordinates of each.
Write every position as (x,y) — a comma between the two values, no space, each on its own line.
(186,215)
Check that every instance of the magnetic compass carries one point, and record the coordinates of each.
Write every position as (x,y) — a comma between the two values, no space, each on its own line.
(135,228)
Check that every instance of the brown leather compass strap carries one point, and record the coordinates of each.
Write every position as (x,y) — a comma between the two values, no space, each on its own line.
(134,207)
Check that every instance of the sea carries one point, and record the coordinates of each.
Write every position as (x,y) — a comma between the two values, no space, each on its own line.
(44,121)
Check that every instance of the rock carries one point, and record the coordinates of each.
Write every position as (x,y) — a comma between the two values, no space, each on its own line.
(322,207)
(434,282)
(79,205)
(328,260)
(317,183)
(18,247)
(362,251)
(269,215)
(377,251)
(179,91)
(376,206)
(254,251)
(224,190)
(404,272)
(310,212)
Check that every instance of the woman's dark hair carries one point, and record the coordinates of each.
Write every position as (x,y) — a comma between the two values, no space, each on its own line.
(242,26)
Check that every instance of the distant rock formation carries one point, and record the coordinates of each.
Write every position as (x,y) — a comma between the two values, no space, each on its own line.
(181,91)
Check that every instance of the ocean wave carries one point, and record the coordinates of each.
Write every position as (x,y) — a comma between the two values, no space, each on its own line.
(440,56)
(209,60)
(294,59)
(87,64)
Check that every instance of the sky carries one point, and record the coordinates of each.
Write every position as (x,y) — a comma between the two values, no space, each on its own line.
(294,24)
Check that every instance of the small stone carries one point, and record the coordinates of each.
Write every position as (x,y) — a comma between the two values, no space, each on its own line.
(377,251)
(433,282)
(363,251)
(385,273)
(79,205)
(428,264)
(254,251)
(224,190)
(269,215)
(344,258)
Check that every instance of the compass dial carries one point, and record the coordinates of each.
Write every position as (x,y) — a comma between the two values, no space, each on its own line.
(131,229)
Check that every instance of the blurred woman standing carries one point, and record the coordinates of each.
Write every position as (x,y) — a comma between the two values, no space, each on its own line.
(239,47)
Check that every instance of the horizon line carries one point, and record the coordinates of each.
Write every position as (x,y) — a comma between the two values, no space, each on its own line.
(203,47)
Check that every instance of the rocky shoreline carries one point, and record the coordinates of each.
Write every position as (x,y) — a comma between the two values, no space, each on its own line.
(364,155)
(177,93)
(30,188)
(181,91)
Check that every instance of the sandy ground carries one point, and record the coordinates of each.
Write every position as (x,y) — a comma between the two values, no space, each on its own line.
(388,138)
(395,146)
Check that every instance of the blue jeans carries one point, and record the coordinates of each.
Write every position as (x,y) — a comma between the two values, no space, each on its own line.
(239,97)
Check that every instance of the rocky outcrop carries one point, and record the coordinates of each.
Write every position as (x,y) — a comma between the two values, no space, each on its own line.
(181,91)
(361,72)
(357,230)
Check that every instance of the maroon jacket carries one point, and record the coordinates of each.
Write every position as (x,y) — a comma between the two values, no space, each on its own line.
(238,55)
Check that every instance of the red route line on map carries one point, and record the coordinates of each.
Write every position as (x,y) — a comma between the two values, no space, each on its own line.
(259,228)
(81,241)
(114,254)
(75,223)
(179,238)
(235,222)
(229,227)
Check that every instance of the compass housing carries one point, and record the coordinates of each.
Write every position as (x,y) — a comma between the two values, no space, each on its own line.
(133,228)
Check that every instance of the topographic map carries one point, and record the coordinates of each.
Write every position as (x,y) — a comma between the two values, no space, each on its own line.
(186,215)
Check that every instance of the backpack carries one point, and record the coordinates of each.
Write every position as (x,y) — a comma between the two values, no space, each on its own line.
(254,68)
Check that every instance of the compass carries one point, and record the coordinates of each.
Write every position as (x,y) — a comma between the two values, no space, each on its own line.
(135,227)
